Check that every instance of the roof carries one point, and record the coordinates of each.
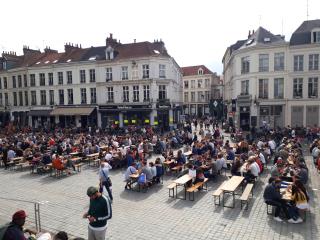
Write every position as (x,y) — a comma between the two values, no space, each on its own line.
(303,34)
(72,111)
(34,58)
(193,70)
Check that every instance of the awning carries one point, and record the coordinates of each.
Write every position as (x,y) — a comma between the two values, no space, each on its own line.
(45,113)
(72,111)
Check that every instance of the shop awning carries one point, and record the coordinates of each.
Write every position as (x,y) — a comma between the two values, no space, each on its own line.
(45,113)
(74,111)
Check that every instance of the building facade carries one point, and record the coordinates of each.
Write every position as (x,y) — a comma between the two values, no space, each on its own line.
(200,86)
(269,81)
(117,84)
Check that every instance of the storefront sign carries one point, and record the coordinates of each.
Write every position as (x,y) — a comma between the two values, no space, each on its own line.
(147,121)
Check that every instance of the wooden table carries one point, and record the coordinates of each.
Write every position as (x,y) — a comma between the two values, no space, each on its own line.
(133,179)
(230,187)
(74,154)
(182,181)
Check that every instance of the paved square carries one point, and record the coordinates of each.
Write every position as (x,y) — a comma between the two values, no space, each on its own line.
(151,215)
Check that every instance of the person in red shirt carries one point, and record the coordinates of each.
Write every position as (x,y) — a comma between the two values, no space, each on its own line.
(57,163)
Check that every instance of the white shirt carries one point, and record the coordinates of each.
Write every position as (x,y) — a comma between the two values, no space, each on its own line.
(255,169)
(130,170)
(108,156)
(272,144)
(260,144)
(221,163)
(261,156)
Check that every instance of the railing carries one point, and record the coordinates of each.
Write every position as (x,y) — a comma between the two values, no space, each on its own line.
(37,217)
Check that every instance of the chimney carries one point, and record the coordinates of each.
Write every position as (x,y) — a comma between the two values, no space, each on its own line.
(249,34)
(27,51)
(253,31)
(110,41)
(68,47)
(49,50)
(134,41)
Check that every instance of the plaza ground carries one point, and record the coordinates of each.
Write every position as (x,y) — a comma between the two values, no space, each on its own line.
(151,215)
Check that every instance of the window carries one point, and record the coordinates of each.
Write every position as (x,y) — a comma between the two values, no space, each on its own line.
(298,63)
(135,74)
(278,88)
(263,62)
(110,98)
(245,87)
(145,71)
(162,92)
(313,62)
(207,96)
(200,96)
(199,83)
(61,97)
(33,98)
(19,81)
(83,92)
(6,99)
(146,93)
(124,73)
(32,80)
(200,71)
(50,76)
(193,96)
(1,103)
(186,97)
(92,75)
(70,96)
(42,79)
(313,87)
(108,74)
(136,93)
(279,61)
(297,87)
(82,76)
(69,77)
(162,71)
(14,82)
(263,88)
(60,78)
(186,84)
(43,97)
(15,100)
(51,97)
(193,83)
(26,98)
(93,94)
(245,65)
(207,83)
(20,98)
(25,80)
(316,37)
(5,83)
(0,83)
(125,93)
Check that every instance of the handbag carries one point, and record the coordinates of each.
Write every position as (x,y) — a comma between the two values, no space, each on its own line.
(108,179)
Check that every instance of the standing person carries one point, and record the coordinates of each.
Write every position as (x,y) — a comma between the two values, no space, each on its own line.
(99,213)
(105,179)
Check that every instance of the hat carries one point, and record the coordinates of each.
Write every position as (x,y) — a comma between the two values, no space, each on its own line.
(19,215)
(91,191)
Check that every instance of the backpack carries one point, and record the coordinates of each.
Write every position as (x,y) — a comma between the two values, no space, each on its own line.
(3,229)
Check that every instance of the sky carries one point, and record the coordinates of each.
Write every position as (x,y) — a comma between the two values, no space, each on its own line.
(194,32)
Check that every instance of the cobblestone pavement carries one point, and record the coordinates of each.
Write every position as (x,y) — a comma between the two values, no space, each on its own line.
(151,215)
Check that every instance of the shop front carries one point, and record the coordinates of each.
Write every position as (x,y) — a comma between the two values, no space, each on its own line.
(40,118)
(245,118)
(271,115)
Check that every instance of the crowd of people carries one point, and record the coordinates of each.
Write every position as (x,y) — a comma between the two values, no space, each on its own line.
(211,154)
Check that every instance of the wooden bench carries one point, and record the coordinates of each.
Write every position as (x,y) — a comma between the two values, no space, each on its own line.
(171,187)
(195,187)
(78,167)
(245,195)
(217,193)
(20,166)
(96,162)
(176,169)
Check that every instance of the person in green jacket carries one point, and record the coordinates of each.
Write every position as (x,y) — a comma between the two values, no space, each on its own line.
(99,213)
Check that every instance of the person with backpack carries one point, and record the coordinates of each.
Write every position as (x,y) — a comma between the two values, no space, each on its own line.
(99,213)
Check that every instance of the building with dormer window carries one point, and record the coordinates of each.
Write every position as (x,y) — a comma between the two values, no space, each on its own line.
(271,81)
(116,84)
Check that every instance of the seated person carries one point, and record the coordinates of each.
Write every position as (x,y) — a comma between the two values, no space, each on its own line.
(181,158)
(46,159)
(199,176)
(147,171)
(153,171)
(235,168)
(130,170)
(221,162)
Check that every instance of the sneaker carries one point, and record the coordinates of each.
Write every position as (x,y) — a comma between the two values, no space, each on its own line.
(299,220)
(277,219)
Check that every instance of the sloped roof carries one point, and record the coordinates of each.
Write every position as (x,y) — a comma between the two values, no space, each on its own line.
(193,70)
(303,33)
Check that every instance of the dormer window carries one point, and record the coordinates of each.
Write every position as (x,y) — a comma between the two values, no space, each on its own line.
(109,53)
(4,65)
(200,71)
(315,36)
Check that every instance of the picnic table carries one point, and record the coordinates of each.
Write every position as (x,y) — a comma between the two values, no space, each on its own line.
(230,187)
(182,181)
(133,179)
(74,154)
